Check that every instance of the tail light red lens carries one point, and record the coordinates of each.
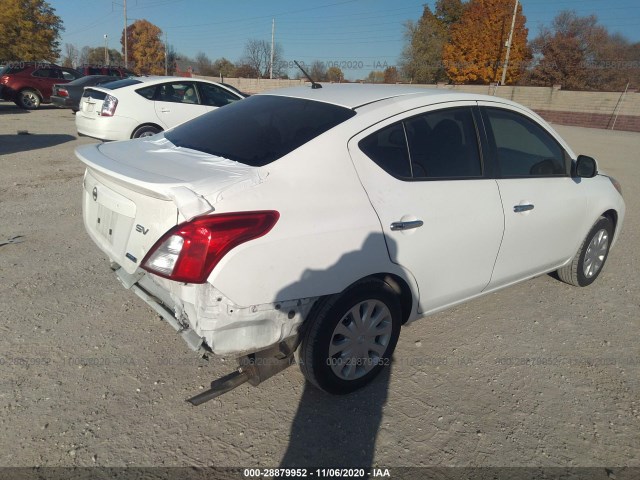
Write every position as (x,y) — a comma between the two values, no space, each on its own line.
(189,251)
(62,92)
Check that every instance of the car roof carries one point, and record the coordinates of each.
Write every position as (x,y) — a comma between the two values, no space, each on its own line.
(355,95)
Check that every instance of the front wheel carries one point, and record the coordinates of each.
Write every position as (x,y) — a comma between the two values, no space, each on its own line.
(587,263)
(350,337)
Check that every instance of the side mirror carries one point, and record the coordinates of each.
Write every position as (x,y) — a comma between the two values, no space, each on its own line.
(586,167)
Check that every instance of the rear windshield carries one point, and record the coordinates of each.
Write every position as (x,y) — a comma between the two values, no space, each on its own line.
(125,82)
(258,130)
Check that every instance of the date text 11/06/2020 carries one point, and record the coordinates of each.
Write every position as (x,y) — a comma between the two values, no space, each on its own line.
(316,473)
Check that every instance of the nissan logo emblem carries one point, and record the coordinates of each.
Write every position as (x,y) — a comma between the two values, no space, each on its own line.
(95,193)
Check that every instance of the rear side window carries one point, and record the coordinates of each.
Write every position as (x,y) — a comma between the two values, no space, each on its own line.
(524,148)
(438,144)
(47,73)
(260,129)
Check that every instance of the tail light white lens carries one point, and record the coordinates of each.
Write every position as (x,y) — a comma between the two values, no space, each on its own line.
(109,106)
(189,251)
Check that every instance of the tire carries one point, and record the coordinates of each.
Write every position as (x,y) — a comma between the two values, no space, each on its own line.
(28,99)
(145,131)
(588,262)
(333,326)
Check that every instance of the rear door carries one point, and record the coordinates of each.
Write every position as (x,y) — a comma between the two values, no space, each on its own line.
(543,206)
(177,102)
(439,206)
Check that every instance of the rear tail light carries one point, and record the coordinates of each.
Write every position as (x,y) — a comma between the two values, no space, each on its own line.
(62,92)
(189,251)
(109,106)
(4,79)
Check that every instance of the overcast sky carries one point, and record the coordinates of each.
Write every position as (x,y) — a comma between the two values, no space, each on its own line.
(362,35)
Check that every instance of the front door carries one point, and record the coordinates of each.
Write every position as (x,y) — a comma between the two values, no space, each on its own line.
(543,206)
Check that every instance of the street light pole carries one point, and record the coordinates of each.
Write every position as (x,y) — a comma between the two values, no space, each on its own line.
(106,50)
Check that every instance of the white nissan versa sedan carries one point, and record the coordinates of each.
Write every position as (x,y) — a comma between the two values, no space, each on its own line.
(320,220)
(143,106)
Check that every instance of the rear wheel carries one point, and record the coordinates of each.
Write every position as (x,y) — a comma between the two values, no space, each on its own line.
(145,131)
(591,256)
(28,99)
(350,337)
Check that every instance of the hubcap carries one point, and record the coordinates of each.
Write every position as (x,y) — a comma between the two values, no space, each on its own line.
(596,253)
(147,134)
(360,339)
(29,99)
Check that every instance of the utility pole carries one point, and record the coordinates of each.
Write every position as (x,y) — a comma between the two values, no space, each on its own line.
(273,32)
(125,35)
(106,50)
(506,60)
(165,54)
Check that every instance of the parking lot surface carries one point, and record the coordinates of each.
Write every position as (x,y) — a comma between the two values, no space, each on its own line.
(539,374)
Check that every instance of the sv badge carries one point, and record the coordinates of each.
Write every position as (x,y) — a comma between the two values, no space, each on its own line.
(141,229)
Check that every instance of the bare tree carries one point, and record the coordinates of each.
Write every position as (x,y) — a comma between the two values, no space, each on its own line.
(204,65)
(70,58)
(257,55)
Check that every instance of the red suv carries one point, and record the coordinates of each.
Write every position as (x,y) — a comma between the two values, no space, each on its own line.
(29,83)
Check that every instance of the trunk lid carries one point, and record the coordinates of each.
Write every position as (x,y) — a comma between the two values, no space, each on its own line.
(91,102)
(134,191)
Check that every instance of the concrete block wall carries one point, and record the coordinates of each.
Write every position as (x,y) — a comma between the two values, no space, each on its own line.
(586,109)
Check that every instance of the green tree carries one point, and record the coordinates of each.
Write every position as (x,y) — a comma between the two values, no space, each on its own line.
(375,76)
(223,68)
(29,30)
(334,74)
(145,50)
(421,58)
(579,54)
(476,50)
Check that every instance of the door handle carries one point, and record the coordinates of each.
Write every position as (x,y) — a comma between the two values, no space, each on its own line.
(522,208)
(406,225)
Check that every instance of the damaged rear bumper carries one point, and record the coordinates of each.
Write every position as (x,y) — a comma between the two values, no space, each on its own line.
(209,322)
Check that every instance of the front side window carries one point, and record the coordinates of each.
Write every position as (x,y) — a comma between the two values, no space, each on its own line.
(435,145)
(523,147)
(216,96)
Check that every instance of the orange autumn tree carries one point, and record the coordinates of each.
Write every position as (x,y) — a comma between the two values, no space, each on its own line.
(145,50)
(476,50)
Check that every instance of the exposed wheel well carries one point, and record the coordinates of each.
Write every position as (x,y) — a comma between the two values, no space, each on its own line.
(402,289)
(154,125)
(31,89)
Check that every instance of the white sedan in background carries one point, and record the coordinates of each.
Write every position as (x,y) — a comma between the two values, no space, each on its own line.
(143,106)
(322,220)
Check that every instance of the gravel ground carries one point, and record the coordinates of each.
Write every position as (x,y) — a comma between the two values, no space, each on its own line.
(540,374)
